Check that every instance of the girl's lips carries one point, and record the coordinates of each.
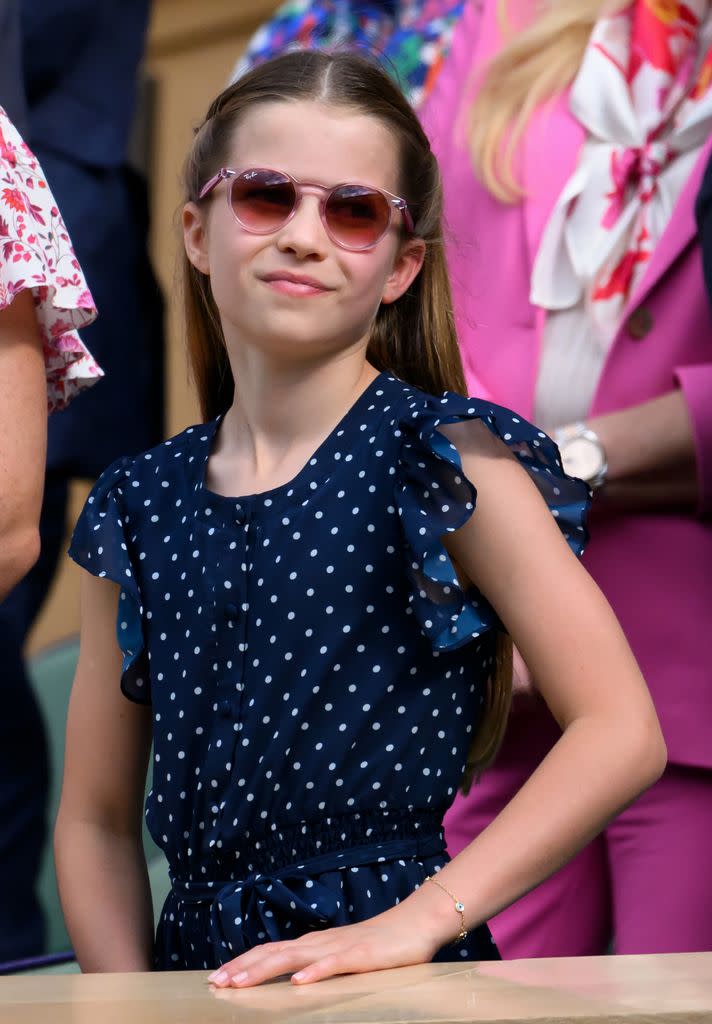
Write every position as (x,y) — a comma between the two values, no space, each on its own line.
(297,288)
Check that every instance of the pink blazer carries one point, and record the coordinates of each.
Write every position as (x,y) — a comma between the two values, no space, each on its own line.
(656,570)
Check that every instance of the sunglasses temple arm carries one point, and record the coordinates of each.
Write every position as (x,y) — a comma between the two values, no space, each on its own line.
(215,180)
(401,205)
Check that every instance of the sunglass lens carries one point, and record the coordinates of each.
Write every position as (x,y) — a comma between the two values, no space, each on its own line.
(262,200)
(357,217)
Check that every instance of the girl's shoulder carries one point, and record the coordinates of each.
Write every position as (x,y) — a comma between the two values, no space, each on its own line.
(173,466)
(440,433)
(136,494)
(172,454)
(425,412)
(443,445)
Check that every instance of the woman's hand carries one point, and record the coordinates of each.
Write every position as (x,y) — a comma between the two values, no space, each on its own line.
(410,933)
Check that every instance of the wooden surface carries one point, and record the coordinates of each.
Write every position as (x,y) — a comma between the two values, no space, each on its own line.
(675,989)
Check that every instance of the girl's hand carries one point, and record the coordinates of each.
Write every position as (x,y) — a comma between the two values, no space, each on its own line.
(391,939)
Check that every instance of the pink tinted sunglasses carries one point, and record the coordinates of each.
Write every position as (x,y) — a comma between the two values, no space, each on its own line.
(262,200)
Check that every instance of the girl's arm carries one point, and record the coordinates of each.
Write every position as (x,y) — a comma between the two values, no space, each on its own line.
(611,748)
(23,428)
(101,868)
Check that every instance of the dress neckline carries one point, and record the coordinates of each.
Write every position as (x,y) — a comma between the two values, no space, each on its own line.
(336,446)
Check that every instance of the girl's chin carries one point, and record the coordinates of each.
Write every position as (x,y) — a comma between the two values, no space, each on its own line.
(291,334)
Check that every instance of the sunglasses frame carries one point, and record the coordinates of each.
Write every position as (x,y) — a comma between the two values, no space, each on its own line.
(393,202)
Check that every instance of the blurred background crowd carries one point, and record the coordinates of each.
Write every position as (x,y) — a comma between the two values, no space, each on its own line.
(575,141)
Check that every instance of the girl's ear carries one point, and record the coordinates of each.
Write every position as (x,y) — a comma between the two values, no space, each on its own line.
(405,269)
(195,237)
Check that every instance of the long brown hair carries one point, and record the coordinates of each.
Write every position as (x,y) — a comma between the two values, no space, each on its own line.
(414,337)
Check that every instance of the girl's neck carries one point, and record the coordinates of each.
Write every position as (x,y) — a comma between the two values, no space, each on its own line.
(279,417)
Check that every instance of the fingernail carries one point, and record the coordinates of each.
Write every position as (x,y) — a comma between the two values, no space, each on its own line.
(299,976)
(218,977)
(237,979)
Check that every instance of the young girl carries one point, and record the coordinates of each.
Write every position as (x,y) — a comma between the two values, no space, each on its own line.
(313,586)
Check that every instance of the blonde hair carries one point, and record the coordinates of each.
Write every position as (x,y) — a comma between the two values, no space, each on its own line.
(536,63)
(414,337)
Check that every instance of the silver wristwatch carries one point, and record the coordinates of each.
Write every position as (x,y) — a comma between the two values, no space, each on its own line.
(582,453)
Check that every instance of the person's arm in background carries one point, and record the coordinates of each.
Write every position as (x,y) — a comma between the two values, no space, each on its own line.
(659,453)
(38,344)
(23,390)
(23,429)
(653,458)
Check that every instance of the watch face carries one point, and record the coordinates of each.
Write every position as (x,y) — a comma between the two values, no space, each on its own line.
(582,458)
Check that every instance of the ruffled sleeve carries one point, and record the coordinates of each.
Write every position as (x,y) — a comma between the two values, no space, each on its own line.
(435,497)
(102,545)
(36,253)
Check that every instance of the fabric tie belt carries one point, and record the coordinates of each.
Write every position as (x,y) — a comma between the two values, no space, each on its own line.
(266,907)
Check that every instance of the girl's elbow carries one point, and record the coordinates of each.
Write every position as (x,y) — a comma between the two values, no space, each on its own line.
(662,756)
(651,753)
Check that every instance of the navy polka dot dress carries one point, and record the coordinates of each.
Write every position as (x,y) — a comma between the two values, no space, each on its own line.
(315,671)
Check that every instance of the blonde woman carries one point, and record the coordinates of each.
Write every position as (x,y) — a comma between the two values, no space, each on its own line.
(573,138)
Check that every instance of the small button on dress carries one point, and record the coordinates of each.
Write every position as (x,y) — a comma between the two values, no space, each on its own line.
(231,613)
(315,671)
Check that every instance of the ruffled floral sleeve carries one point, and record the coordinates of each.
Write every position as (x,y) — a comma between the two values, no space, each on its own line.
(36,253)
(435,497)
(102,545)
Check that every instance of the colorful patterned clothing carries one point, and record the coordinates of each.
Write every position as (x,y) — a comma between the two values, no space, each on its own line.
(36,253)
(411,38)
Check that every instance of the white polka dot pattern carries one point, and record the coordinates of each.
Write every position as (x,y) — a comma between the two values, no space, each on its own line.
(314,670)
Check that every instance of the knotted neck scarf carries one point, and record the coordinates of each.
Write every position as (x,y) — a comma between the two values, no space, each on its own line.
(643,95)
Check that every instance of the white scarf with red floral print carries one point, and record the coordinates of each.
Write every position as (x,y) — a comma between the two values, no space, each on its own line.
(643,95)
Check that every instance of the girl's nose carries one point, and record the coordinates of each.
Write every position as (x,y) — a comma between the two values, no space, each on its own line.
(304,234)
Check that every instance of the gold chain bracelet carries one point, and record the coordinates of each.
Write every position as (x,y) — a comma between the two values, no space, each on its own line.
(459,906)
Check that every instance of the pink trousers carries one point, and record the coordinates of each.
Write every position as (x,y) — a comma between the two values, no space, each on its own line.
(645,883)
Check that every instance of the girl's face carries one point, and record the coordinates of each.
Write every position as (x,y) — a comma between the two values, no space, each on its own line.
(295,293)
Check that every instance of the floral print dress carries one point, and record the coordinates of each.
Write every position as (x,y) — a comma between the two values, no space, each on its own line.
(36,253)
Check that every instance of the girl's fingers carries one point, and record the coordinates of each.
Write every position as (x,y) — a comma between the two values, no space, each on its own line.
(352,961)
(266,962)
(352,949)
(249,958)
(271,967)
